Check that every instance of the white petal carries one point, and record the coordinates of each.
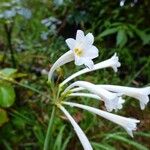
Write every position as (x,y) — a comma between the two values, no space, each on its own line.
(82,137)
(71,43)
(128,124)
(79,61)
(115,62)
(80,35)
(65,58)
(104,64)
(138,93)
(89,38)
(89,63)
(92,52)
(120,103)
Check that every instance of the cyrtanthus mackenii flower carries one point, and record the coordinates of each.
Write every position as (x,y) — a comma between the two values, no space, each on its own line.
(65,58)
(128,124)
(94,96)
(82,137)
(111,99)
(138,93)
(83,49)
(113,62)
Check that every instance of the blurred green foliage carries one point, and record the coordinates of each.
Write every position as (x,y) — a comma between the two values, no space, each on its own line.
(32,37)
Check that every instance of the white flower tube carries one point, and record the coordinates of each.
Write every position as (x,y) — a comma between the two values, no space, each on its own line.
(65,58)
(82,137)
(113,62)
(89,95)
(77,89)
(111,99)
(138,93)
(128,124)
(86,95)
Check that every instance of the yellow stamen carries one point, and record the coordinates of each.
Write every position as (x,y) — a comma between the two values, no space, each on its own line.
(78,51)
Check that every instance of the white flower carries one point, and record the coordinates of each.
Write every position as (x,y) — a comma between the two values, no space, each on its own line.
(94,96)
(113,62)
(83,49)
(111,99)
(65,58)
(138,93)
(129,124)
(82,137)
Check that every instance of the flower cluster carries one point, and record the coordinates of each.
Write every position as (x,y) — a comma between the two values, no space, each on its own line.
(82,51)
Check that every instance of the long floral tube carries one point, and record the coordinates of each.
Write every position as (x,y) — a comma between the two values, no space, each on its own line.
(138,93)
(86,95)
(112,62)
(65,58)
(82,137)
(96,97)
(129,124)
(76,89)
(111,99)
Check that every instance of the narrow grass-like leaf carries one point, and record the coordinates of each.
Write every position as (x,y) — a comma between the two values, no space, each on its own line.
(64,146)
(129,141)
(143,134)
(39,134)
(58,141)
(100,146)
(7,145)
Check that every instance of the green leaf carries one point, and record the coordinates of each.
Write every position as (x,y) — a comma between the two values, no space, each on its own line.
(108,32)
(8,72)
(130,142)
(3,117)
(39,134)
(147,134)
(121,38)
(102,146)
(58,141)
(142,34)
(65,143)
(7,95)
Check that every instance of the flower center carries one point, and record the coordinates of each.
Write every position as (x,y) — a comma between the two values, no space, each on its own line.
(78,52)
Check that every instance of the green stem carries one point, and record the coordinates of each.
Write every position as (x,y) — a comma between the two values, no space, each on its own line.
(48,134)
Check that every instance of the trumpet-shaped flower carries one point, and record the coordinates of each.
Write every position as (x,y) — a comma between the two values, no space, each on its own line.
(82,137)
(129,124)
(113,62)
(94,96)
(65,58)
(111,99)
(83,49)
(138,93)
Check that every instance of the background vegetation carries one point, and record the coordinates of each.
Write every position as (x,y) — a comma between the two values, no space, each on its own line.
(32,37)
